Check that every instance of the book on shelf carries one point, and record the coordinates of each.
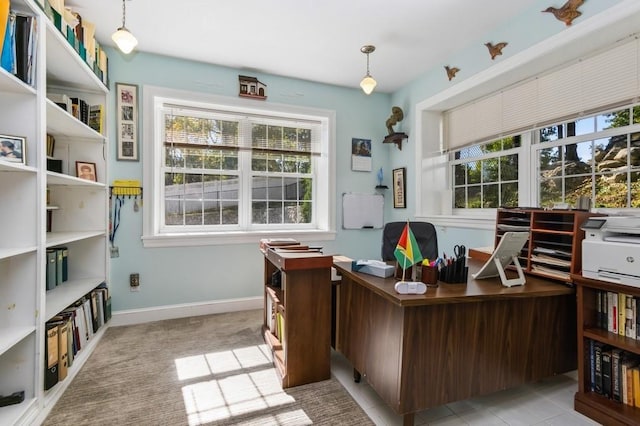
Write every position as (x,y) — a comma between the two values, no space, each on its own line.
(622,321)
(51,271)
(4,17)
(606,373)
(63,348)
(80,109)
(51,356)
(62,100)
(598,349)
(636,385)
(8,57)
(616,370)
(96,118)
(20,46)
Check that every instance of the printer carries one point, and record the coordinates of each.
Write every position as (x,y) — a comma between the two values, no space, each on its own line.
(611,249)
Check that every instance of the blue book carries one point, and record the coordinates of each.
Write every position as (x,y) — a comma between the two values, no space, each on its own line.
(8,58)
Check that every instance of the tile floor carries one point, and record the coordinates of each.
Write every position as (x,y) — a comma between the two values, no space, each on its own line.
(549,402)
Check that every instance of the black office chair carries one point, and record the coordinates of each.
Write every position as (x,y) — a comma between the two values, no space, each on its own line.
(424,232)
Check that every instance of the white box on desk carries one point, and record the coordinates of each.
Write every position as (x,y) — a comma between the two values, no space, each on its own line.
(373,267)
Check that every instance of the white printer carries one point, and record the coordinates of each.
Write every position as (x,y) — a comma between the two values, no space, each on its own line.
(611,249)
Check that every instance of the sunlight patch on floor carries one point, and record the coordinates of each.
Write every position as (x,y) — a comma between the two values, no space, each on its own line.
(236,395)
(221,362)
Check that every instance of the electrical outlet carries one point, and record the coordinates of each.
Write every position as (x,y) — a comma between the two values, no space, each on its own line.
(134,280)
(115,252)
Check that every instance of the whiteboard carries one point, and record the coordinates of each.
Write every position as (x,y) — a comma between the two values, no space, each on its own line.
(362,211)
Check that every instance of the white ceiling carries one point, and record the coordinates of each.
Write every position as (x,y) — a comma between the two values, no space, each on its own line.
(317,40)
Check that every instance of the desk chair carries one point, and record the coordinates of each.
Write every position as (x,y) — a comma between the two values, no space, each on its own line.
(424,232)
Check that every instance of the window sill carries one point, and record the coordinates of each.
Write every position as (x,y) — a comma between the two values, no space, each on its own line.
(225,238)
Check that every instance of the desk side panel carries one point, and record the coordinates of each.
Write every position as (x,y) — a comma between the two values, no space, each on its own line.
(370,337)
(456,351)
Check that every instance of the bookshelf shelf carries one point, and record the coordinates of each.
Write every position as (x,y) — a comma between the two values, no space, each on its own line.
(32,195)
(297,314)
(588,400)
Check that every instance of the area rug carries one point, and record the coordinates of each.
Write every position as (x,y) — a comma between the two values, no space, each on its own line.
(205,370)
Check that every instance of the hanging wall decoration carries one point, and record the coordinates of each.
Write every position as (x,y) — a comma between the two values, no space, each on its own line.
(451,71)
(567,13)
(495,49)
(127,121)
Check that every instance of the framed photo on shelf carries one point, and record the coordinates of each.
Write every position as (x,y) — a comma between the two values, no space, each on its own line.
(86,171)
(127,121)
(12,149)
(399,184)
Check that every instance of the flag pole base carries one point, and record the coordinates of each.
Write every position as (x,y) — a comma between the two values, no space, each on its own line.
(410,287)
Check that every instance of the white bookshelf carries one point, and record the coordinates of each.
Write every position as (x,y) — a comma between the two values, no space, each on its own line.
(78,208)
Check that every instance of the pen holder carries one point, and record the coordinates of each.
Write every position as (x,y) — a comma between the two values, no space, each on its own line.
(429,276)
(455,273)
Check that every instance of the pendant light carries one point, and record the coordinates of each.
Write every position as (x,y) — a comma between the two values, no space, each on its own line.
(368,83)
(125,41)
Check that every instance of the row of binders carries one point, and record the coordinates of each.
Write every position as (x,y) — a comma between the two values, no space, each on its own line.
(614,373)
(57,269)
(18,42)
(80,34)
(71,330)
(618,313)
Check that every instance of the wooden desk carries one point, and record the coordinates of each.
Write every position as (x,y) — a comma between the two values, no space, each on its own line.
(456,341)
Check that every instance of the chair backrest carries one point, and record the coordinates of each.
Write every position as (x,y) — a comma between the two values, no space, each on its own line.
(424,232)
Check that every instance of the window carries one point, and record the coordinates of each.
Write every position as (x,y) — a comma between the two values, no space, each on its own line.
(234,173)
(597,156)
(486,175)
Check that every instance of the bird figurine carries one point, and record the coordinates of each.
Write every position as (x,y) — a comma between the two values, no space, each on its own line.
(495,50)
(568,12)
(451,71)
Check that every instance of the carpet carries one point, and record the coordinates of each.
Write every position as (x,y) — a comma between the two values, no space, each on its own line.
(205,370)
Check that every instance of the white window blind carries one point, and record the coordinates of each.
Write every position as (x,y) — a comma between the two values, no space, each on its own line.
(609,78)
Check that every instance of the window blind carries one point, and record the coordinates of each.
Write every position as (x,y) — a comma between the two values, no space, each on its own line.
(609,78)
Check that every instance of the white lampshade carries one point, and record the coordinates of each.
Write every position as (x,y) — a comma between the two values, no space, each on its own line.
(125,40)
(368,84)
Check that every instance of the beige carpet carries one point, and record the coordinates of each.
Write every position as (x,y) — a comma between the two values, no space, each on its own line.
(212,370)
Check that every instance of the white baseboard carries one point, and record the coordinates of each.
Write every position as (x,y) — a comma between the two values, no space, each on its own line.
(158,313)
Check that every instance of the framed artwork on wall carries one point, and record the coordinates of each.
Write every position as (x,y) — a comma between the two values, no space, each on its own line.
(399,183)
(127,121)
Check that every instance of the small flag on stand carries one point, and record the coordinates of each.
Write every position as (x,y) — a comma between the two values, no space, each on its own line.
(407,251)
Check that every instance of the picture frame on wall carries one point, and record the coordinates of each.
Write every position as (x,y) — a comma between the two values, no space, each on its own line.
(13,149)
(399,185)
(127,122)
(86,171)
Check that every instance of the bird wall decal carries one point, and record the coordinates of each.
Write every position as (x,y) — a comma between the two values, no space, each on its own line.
(568,12)
(451,71)
(495,50)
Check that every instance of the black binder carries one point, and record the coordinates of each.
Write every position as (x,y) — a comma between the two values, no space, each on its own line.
(51,357)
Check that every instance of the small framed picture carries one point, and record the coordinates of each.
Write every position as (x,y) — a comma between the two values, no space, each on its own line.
(12,149)
(86,171)
(399,192)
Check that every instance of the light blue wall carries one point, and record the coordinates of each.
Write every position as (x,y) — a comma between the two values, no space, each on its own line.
(185,275)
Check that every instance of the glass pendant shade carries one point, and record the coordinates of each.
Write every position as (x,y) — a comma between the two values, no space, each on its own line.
(125,40)
(368,84)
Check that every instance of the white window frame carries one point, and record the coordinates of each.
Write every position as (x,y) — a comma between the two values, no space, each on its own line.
(155,235)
